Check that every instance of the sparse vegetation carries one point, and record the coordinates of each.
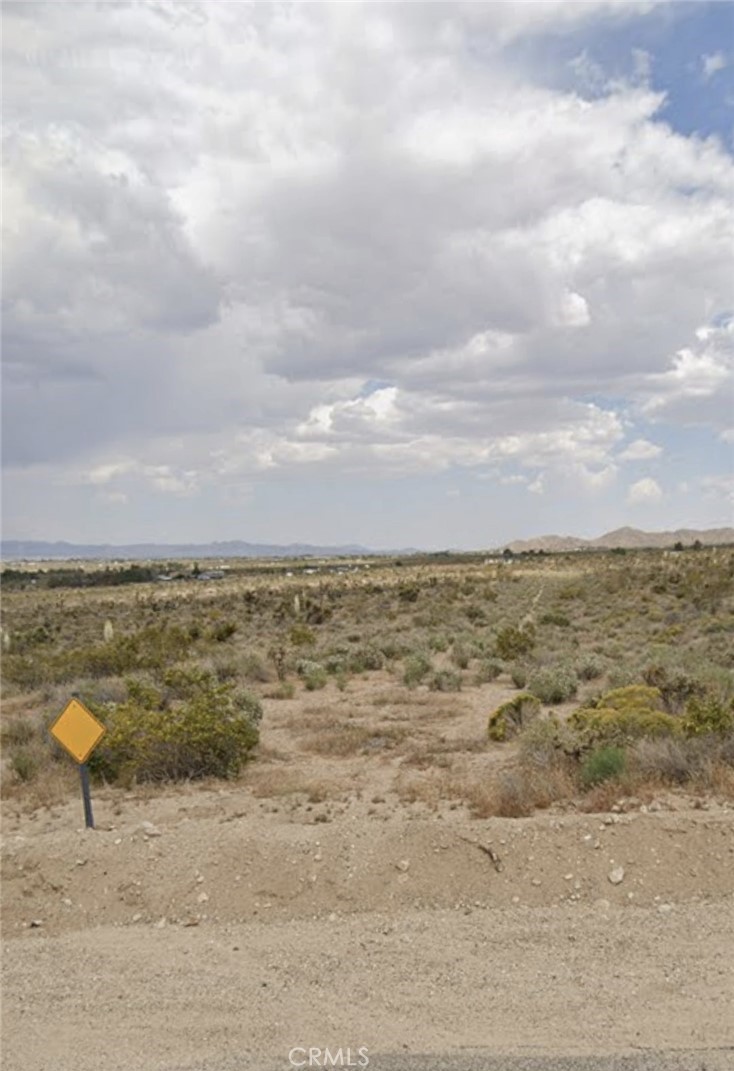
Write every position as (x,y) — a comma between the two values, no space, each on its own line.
(640,642)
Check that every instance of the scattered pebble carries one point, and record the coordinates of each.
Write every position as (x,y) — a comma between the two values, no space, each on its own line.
(616,876)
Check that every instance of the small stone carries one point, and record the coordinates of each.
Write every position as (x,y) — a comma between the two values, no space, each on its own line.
(199,879)
(191,921)
(118,840)
(665,909)
(202,897)
(66,901)
(403,865)
(535,881)
(149,830)
(616,876)
(567,877)
(137,916)
(161,923)
(35,924)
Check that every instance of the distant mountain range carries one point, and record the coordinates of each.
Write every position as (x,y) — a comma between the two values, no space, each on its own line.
(37,550)
(627,538)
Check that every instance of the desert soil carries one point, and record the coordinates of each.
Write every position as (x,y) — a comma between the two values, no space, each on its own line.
(209,928)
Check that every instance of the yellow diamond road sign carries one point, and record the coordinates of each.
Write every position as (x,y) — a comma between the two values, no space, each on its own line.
(77,730)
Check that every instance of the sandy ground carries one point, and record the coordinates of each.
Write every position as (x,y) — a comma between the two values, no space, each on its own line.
(217,929)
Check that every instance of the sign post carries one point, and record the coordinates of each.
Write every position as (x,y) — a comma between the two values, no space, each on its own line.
(79,732)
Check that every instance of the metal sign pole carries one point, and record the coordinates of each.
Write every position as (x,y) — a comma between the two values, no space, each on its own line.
(86,796)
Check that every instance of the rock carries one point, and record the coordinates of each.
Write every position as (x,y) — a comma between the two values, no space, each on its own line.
(665,909)
(202,897)
(149,830)
(35,924)
(137,916)
(403,865)
(616,876)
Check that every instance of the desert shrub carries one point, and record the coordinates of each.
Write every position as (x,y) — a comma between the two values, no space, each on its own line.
(392,648)
(708,714)
(367,657)
(621,716)
(254,669)
(553,617)
(511,642)
(545,743)
(445,680)
(509,718)
(676,687)
(25,764)
(602,765)
(670,759)
(460,655)
(192,727)
(519,674)
(475,614)
(553,684)
(153,647)
(438,642)
(302,636)
(488,670)
(590,667)
(18,733)
(313,674)
(223,631)
(416,669)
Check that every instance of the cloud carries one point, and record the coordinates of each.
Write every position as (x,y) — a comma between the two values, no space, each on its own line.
(698,386)
(711,64)
(644,492)
(640,450)
(250,241)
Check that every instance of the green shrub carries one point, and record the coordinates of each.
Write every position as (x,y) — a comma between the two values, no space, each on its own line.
(602,765)
(553,684)
(511,717)
(621,716)
(416,669)
(302,636)
(708,714)
(190,728)
(512,642)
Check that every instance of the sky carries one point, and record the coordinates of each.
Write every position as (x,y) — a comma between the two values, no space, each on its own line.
(435,275)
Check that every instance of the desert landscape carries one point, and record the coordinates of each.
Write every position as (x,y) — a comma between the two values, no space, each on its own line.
(486,813)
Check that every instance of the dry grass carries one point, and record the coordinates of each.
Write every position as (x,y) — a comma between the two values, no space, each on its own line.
(269,783)
(338,740)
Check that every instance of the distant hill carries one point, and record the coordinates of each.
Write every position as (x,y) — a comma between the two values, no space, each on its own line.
(627,538)
(37,550)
